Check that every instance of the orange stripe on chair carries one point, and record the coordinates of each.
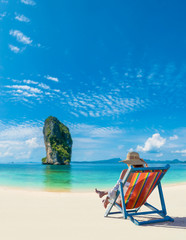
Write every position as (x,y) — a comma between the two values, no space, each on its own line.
(141,186)
(160,175)
(136,191)
(150,181)
(131,186)
(141,189)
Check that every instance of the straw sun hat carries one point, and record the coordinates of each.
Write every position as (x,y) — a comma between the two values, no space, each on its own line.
(133,158)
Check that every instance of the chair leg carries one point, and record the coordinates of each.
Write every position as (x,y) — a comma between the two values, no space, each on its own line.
(109,208)
(153,221)
(123,202)
(162,199)
(161,213)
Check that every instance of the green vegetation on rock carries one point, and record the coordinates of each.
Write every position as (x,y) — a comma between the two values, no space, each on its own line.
(58,142)
(44,160)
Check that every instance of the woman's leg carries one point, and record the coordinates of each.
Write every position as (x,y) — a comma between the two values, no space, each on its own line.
(101,193)
(106,202)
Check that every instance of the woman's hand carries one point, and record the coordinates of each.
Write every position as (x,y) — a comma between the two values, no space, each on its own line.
(146,165)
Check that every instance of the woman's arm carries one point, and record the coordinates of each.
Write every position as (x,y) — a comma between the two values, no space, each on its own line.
(112,192)
(123,174)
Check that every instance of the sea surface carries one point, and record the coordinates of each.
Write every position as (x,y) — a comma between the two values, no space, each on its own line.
(76,177)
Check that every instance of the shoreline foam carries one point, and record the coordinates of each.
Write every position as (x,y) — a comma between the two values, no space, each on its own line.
(79,190)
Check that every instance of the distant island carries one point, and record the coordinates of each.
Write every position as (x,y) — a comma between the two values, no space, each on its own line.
(111,161)
(116,160)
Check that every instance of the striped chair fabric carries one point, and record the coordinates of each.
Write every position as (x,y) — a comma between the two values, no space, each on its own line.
(141,186)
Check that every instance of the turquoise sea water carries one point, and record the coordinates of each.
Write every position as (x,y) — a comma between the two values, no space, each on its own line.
(76,177)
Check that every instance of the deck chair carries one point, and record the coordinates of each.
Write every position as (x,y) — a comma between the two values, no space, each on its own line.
(142,184)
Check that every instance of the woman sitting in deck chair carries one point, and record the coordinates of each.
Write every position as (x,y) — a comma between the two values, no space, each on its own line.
(132,159)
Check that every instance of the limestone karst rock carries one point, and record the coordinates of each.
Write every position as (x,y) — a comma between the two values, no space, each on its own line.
(58,142)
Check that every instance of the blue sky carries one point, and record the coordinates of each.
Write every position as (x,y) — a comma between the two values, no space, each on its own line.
(112,71)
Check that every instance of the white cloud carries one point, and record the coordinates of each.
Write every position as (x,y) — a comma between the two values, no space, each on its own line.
(57,90)
(14,48)
(175,137)
(32,143)
(107,101)
(30,82)
(85,140)
(85,114)
(105,132)
(172,145)
(48,93)
(43,85)
(6,154)
(93,103)
(120,147)
(75,114)
(96,105)
(2,15)
(52,78)
(21,18)
(159,155)
(16,81)
(85,143)
(20,37)
(153,144)
(7,143)
(21,141)
(21,92)
(28,2)
(26,94)
(91,142)
(22,131)
(25,87)
(183,152)
(139,74)
(94,131)
(82,128)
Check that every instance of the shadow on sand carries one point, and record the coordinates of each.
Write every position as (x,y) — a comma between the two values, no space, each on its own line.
(179,222)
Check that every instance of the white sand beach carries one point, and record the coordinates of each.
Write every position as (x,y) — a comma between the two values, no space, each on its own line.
(37,215)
